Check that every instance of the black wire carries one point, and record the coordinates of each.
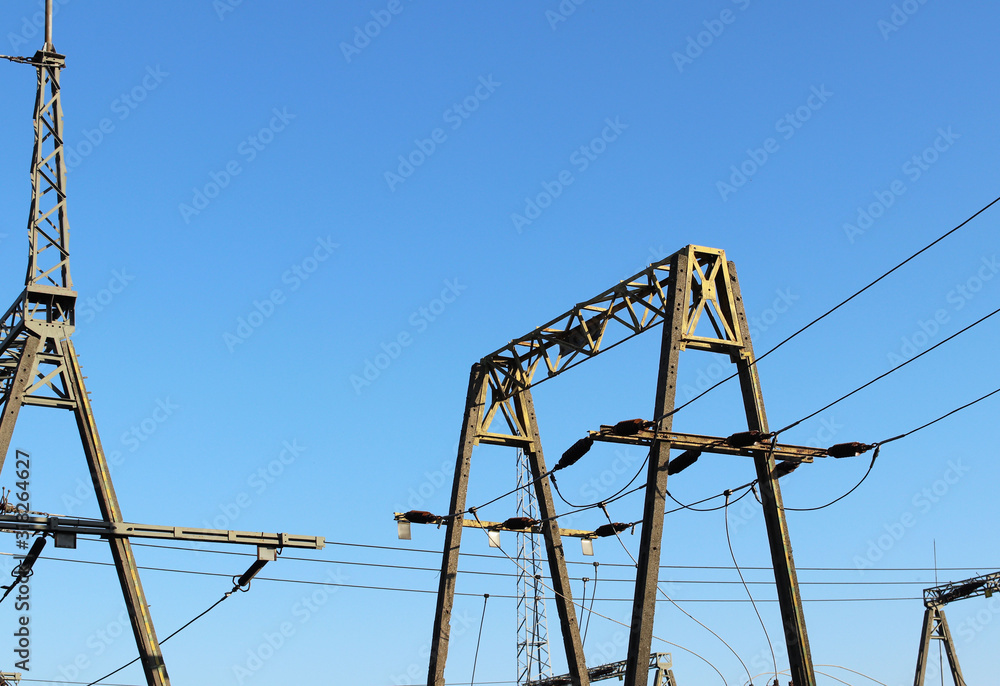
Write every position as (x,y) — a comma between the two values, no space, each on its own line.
(948,414)
(593,595)
(610,499)
(472,681)
(882,376)
(833,309)
(748,486)
(729,541)
(212,607)
(837,500)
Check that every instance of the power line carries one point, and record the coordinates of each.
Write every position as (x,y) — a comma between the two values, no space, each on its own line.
(834,308)
(882,376)
(577,562)
(729,542)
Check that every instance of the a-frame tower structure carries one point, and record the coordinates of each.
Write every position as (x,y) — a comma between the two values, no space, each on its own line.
(38,365)
(691,287)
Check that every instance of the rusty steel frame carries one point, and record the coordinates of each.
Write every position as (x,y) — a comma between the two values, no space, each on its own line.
(691,287)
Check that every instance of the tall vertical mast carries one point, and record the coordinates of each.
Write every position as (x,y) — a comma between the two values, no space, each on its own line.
(38,365)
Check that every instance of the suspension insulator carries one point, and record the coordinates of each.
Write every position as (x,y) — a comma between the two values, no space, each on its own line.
(520,523)
(629,427)
(848,449)
(744,439)
(785,468)
(575,452)
(683,461)
(421,517)
(610,529)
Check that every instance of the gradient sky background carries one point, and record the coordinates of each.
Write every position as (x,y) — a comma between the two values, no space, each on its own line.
(183,91)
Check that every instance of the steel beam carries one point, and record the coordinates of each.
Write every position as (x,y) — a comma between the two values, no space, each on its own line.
(15,393)
(647,573)
(575,659)
(786,581)
(150,655)
(935,626)
(107,529)
(710,444)
(474,402)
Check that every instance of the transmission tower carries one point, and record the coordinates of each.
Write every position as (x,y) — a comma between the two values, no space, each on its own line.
(935,626)
(533,661)
(39,366)
(695,295)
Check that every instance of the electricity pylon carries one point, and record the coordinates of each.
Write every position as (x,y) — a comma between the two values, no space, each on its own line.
(936,624)
(695,286)
(39,366)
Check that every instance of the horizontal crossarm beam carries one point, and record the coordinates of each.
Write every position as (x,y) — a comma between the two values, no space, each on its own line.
(710,444)
(984,585)
(97,527)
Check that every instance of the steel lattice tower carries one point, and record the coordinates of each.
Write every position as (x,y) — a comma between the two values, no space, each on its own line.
(532,623)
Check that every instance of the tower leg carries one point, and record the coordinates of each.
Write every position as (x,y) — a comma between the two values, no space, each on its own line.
(474,402)
(647,574)
(121,550)
(949,649)
(22,375)
(553,545)
(786,581)
(925,644)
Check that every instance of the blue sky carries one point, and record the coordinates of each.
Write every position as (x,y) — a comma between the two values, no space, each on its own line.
(264,199)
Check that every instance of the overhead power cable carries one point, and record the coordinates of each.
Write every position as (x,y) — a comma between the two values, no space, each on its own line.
(729,542)
(980,568)
(834,308)
(882,376)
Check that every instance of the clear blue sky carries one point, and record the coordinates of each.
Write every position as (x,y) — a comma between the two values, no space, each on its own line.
(264,199)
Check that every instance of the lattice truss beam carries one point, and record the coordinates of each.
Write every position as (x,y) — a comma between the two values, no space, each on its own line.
(984,585)
(624,311)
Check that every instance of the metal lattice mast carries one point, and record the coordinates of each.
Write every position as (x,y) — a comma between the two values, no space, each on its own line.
(532,623)
(38,365)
